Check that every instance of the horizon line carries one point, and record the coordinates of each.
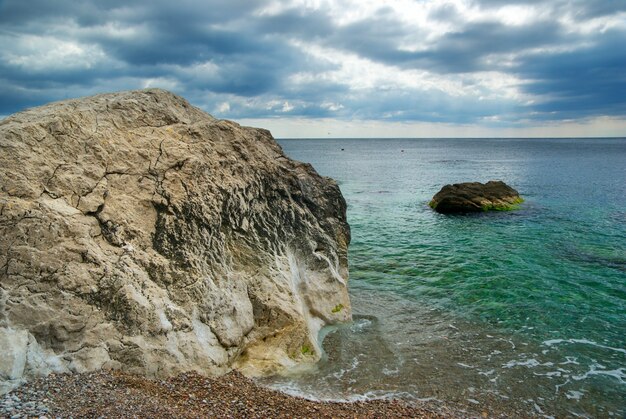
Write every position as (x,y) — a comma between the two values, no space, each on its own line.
(455,138)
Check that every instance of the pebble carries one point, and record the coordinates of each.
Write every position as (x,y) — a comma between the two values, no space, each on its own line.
(23,402)
(188,395)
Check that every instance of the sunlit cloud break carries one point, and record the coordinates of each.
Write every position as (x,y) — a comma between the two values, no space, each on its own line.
(310,68)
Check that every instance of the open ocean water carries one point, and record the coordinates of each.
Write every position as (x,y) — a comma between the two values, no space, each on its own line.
(524,310)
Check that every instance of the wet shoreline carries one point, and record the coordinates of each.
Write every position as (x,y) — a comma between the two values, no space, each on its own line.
(119,394)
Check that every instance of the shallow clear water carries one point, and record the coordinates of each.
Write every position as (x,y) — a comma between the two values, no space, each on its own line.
(524,310)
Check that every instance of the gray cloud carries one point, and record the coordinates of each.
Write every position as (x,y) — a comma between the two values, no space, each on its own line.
(466,50)
(228,52)
(576,83)
(582,9)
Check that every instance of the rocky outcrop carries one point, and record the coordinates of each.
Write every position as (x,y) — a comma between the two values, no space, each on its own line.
(475,197)
(139,232)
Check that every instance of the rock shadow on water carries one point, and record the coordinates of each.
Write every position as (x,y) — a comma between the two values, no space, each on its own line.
(589,257)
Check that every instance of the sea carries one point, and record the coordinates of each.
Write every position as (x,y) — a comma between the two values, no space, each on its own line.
(521,311)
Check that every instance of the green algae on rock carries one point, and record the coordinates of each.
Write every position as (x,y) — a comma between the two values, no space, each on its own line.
(494,195)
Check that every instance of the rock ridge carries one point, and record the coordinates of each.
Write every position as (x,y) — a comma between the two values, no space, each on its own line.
(138,232)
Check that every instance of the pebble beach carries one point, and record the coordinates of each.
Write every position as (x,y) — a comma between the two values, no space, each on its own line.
(121,395)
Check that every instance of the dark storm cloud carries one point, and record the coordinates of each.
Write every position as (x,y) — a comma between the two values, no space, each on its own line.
(585,81)
(179,34)
(473,47)
(309,24)
(375,37)
(445,12)
(602,8)
(235,53)
(467,50)
(14,98)
(170,37)
(89,13)
(379,38)
(574,82)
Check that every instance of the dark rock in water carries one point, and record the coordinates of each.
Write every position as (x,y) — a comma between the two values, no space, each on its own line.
(466,197)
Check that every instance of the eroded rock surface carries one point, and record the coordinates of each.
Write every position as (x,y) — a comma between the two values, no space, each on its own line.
(475,197)
(139,232)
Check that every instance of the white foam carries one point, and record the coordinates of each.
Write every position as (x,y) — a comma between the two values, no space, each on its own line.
(339,374)
(558,386)
(578,415)
(570,360)
(530,363)
(574,395)
(360,324)
(389,372)
(552,342)
(293,390)
(618,373)
(549,374)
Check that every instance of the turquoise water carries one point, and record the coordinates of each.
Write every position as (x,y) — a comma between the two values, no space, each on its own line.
(521,311)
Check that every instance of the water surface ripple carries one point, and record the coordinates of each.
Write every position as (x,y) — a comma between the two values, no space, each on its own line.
(525,310)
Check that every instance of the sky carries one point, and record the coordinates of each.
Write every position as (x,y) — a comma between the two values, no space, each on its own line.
(335,68)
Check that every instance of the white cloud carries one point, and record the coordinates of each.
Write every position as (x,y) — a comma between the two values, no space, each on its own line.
(362,74)
(167,83)
(197,73)
(333,107)
(593,26)
(486,62)
(516,15)
(112,30)
(223,107)
(43,53)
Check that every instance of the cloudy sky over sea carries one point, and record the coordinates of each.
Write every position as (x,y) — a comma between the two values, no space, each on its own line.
(411,68)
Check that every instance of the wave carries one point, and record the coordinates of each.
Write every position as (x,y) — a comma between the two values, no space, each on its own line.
(553,342)
(294,390)
(619,373)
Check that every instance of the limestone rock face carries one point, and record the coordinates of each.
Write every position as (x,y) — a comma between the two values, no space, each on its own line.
(474,197)
(139,232)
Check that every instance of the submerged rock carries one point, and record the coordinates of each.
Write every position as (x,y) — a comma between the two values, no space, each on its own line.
(138,232)
(474,197)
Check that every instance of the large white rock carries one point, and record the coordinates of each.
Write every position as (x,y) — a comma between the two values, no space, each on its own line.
(139,232)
